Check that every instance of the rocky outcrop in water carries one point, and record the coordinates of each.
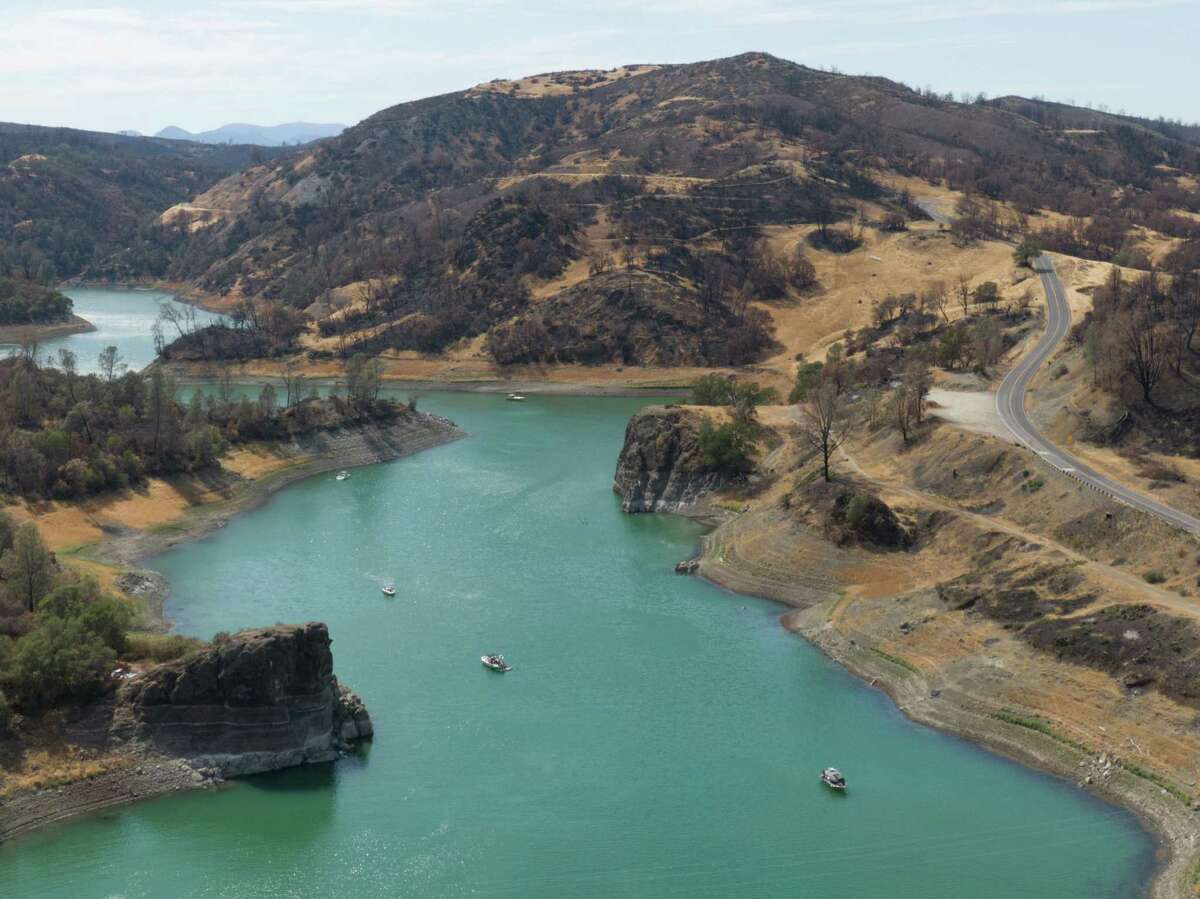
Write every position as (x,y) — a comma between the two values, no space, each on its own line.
(661,467)
(254,701)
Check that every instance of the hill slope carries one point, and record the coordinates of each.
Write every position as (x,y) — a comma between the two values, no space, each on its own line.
(454,216)
(83,202)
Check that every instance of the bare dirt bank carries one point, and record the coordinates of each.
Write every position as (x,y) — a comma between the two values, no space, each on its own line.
(965,677)
(293,460)
(129,780)
(23,333)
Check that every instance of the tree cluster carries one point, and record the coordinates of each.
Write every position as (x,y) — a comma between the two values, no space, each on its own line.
(25,302)
(67,435)
(1142,333)
(59,633)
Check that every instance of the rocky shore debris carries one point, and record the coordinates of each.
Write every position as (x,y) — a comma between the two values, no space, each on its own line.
(1098,768)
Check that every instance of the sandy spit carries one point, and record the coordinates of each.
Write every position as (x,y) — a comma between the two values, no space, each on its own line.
(22,333)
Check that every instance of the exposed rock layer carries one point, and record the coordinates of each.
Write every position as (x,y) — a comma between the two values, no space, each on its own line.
(661,467)
(256,701)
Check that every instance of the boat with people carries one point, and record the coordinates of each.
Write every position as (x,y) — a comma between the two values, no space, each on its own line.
(833,779)
(495,662)
(343,474)
(515,398)
(389,590)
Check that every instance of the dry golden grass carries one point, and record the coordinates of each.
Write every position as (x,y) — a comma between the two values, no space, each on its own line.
(554,84)
(68,526)
(62,764)
(851,283)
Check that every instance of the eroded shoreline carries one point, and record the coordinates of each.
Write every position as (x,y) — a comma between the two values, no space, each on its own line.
(1169,821)
(1171,824)
(16,334)
(136,776)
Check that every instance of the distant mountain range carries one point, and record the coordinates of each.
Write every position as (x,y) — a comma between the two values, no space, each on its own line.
(258,135)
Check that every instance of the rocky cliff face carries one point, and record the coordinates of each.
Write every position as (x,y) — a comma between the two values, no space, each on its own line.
(255,701)
(661,467)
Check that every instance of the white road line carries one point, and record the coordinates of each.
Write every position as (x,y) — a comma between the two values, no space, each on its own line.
(1010,406)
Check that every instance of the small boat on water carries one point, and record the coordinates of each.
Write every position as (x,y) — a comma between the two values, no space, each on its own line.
(342,475)
(389,590)
(495,663)
(515,398)
(833,779)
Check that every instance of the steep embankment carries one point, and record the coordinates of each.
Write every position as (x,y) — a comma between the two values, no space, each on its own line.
(661,467)
(257,700)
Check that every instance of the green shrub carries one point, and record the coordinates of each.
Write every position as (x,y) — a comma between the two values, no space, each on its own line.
(159,647)
(104,616)
(728,448)
(857,507)
(59,660)
(808,376)
(1154,577)
(724,390)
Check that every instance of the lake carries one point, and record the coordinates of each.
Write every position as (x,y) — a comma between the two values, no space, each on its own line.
(123,318)
(657,737)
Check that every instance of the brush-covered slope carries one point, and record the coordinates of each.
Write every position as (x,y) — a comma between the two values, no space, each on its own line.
(83,202)
(462,215)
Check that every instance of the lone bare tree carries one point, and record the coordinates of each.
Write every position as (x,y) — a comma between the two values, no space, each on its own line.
(964,293)
(111,363)
(823,423)
(293,381)
(936,299)
(1145,351)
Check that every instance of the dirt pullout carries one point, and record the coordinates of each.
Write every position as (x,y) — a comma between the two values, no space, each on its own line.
(973,410)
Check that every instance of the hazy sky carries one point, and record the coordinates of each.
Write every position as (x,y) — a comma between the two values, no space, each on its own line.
(144,64)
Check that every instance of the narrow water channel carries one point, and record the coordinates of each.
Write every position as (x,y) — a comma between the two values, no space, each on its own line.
(122,318)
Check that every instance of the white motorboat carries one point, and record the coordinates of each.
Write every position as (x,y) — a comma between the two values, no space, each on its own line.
(342,475)
(833,779)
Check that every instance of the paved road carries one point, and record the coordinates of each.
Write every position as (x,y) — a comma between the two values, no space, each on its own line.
(1010,399)
(1010,404)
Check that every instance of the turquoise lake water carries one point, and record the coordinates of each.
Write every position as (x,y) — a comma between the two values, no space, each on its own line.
(123,318)
(657,738)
